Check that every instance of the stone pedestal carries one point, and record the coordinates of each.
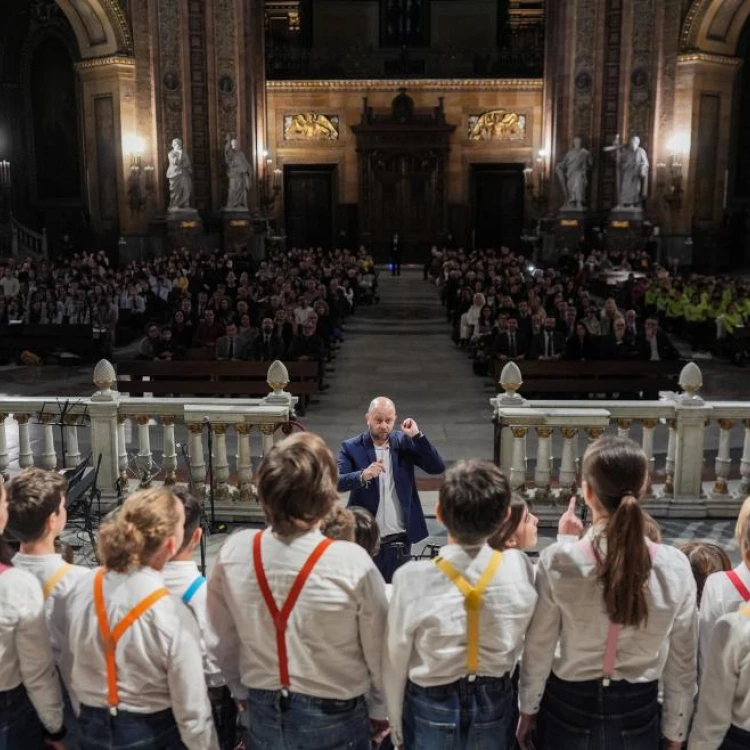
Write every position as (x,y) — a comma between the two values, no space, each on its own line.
(625,229)
(184,228)
(570,227)
(237,229)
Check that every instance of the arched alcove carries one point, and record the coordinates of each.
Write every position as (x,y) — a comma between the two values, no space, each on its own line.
(714,26)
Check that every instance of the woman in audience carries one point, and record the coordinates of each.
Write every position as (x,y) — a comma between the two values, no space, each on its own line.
(299,617)
(616,613)
(726,591)
(140,683)
(705,558)
(182,330)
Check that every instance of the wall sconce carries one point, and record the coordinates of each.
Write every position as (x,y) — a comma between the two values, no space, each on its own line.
(141,180)
(669,175)
(270,184)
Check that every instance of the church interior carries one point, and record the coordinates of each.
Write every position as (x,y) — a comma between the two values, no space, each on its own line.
(362,119)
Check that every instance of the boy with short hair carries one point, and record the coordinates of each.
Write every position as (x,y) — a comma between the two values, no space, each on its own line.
(36,518)
(456,624)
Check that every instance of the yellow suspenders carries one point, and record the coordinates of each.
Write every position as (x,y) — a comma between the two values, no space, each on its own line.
(55,578)
(473,596)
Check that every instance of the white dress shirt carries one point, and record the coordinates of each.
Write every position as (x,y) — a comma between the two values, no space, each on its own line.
(25,652)
(568,632)
(43,567)
(390,516)
(335,631)
(178,577)
(720,597)
(426,637)
(724,697)
(159,663)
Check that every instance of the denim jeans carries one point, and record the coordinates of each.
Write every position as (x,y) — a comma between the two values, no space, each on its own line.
(98,730)
(589,716)
(391,557)
(302,722)
(736,739)
(20,727)
(461,716)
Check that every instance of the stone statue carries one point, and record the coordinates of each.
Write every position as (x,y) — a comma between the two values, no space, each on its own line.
(632,173)
(572,172)
(180,176)
(238,172)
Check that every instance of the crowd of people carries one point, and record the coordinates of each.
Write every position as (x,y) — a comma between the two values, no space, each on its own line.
(291,305)
(502,307)
(600,644)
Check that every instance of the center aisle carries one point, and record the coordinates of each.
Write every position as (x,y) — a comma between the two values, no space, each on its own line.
(401,348)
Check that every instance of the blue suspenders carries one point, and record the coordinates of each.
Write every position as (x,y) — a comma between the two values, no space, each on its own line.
(192,588)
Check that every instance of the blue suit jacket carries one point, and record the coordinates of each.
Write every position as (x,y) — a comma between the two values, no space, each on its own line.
(358,453)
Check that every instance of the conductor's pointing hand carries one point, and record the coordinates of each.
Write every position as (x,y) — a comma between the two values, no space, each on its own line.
(409,427)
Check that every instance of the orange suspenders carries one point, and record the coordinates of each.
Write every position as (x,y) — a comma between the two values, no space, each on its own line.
(280,617)
(111,637)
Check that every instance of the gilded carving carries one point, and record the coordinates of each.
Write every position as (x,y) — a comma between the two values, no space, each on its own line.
(497,125)
(311,126)
(424,84)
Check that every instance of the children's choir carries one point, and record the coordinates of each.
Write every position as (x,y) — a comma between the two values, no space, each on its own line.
(294,624)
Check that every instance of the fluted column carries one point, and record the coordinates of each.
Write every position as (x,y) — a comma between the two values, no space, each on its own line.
(145,457)
(669,468)
(518,467)
(3,447)
(244,467)
(267,431)
(221,461)
(568,471)
(169,450)
(723,458)
(543,471)
(744,463)
(48,459)
(72,451)
(122,449)
(25,457)
(623,427)
(197,459)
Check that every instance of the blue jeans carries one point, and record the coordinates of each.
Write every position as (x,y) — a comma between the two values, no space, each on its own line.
(392,556)
(461,716)
(97,730)
(302,722)
(20,728)
(589,716)
(736,739)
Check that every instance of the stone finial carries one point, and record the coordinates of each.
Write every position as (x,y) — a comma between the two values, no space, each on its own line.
(104,375)
(511,380)
(691,381)
(278,377)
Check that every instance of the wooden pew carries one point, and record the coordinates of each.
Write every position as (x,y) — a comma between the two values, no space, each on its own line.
(574,379)
(45,340)
(212,378)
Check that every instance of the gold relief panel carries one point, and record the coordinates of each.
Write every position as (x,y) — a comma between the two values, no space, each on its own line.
(311,126)
(497,125)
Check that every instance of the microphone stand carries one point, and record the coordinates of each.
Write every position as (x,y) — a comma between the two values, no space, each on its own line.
(215,527)
(204,520)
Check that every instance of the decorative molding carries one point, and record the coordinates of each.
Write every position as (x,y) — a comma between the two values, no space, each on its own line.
(311,126)
(706,57)
(118,20)
(102,62)
(422,84)
(687,27)
(497,125)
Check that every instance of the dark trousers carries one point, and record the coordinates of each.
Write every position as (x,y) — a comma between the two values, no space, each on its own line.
(395,551)
(20,728)
(224,710)
(303,722)
(464,715)
(736,739)
(587,716)
(396,264)
(98,730)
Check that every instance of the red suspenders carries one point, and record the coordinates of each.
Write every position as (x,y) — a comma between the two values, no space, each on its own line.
(739,585)
(280,617)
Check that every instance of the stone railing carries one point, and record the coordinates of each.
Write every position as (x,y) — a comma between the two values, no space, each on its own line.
(145,440)
(25,241)
(539,445)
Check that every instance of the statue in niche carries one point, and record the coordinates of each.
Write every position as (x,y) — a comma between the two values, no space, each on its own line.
(238,173)
(632,173)
(180,176)
(573,175)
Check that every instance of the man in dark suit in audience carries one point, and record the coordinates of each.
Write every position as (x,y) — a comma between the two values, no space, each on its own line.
(511,343)
(230,346)
(655,344)
(308,346)
(267,346)
(548,343)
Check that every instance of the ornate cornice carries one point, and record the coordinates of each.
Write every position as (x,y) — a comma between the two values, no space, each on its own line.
(101,62)
(117,17)
(705,57)
(432,84)
(687,26)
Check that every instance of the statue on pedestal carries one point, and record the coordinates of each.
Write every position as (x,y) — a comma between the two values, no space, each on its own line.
(572,173)
(180,176)
(238,173)
(632,173)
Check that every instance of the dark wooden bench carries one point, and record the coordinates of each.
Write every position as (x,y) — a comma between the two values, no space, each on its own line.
(212,378)
(573,379)
(45,340)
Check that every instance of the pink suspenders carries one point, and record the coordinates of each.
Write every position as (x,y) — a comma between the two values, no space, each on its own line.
(739,585)
(613,631)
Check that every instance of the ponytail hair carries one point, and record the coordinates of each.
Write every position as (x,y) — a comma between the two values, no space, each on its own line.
(131,535)
(616,470)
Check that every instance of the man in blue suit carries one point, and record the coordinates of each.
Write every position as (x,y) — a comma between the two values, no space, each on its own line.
(377,468)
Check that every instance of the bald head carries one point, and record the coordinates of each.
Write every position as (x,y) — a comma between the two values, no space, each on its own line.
(381,419)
